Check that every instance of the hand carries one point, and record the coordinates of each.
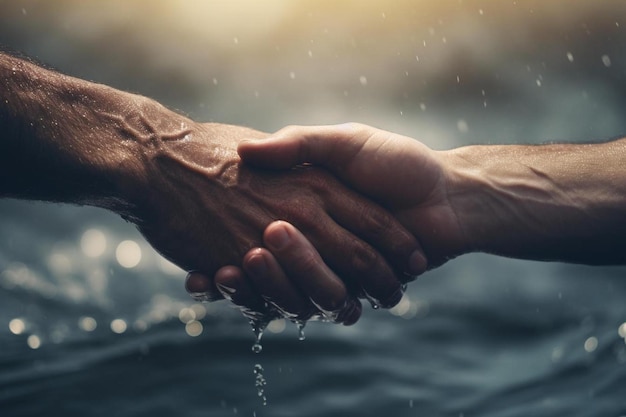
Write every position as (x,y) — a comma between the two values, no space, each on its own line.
(554,202)
(202,209)
(69,140)
(399,172)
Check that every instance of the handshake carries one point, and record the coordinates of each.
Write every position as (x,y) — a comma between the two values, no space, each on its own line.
(309,220)
(380,220)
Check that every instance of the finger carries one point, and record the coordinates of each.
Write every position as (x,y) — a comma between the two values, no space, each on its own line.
(336,147)
(364,270)
(201,288)
(323,145)
(232,283)
(376,226)
(300,261)
(270,279)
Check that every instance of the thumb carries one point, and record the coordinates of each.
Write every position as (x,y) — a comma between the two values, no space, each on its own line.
(321,145)
(274,152)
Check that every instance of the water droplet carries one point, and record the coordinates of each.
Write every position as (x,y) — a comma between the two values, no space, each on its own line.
(258,326)
(570,57)
(292,75)
(538,81)
(606,60)
(260,382)
(300,325)
(363,80)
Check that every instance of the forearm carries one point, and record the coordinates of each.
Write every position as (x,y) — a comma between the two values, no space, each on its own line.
(549,202)
(66,139)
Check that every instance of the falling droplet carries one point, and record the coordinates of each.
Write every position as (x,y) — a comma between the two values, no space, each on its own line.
(260,382)
(373,302)
(258,326)
(300,325)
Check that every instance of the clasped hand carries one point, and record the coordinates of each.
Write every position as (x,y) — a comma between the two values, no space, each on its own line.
(290,272)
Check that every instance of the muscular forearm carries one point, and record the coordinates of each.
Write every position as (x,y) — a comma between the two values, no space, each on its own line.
(69,140)
(549,202)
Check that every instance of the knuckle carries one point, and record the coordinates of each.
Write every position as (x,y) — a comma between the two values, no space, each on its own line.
(289,130)
(304,215)
(378,222)
(357,127)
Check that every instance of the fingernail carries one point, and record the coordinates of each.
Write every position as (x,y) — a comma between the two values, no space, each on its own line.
(350,314)
(393,299)
(278,239)
(417,263)
(256,266)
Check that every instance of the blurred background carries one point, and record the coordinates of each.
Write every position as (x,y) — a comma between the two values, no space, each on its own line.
(94,322)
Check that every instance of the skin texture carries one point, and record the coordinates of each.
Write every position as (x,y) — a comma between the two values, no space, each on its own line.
(182,183)
(549,202)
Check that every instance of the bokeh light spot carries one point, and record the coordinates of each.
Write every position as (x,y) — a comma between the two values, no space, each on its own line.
(33,341)
(128,254)
(591,344)
(118,326)
(193,328)
(17,326)
(186,315)
(87,324)
(93,243)
(277,326)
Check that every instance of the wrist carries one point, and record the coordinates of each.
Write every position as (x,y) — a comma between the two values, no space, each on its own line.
(546,202)
(495,198)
